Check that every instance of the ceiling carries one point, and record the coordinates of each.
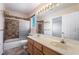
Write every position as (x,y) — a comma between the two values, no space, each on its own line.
(26,8)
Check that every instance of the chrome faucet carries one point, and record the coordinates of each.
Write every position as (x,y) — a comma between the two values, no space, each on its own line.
(62,38)
(38,35)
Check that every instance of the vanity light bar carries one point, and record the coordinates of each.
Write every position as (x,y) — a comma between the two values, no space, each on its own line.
(47,7)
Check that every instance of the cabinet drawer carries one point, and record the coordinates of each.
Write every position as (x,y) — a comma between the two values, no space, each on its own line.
(48,51)
(36,51)
(30,48)
(38,45)
(30,40)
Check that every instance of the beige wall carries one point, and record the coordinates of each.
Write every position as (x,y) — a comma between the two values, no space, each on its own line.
(63,10)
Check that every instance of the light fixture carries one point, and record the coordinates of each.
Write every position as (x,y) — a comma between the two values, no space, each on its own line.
(47,7)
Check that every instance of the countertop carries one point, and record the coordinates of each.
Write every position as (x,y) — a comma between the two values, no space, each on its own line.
(70,47)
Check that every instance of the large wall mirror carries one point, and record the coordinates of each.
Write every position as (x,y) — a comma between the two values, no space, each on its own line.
(68,24)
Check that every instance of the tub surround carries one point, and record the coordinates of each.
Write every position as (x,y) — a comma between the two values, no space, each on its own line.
(70,47)
(11,29)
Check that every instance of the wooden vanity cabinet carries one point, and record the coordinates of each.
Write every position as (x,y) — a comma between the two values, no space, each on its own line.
(35,48)
(48,51)
(36,51)
(38,46)
(30,46)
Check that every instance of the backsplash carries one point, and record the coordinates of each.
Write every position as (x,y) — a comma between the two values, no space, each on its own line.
(11,28)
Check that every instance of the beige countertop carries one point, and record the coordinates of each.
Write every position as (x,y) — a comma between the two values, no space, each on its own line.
(70,47)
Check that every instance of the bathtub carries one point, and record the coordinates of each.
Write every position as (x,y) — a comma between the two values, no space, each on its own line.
(12,43)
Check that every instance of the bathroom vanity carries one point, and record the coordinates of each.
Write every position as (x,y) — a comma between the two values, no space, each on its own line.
(43,45)
(36,48)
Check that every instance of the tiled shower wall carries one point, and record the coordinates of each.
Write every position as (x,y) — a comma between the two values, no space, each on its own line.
(11,29)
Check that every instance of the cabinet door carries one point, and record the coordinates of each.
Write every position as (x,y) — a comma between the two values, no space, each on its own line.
(38,45)
(30,48)
(48,51)
(37,51)
(30,40)
(1,42)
